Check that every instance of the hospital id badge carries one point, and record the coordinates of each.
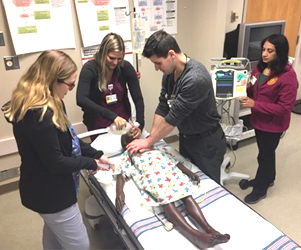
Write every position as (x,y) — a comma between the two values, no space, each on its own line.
(111,99)
(253,80)
(170,100)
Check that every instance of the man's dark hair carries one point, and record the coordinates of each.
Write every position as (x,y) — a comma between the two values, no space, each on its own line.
(281,45)
(159,44)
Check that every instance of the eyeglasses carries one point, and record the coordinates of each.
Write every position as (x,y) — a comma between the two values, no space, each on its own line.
(70,85)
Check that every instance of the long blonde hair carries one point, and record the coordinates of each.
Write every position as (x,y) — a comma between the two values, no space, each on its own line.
(112,42)
(34,89)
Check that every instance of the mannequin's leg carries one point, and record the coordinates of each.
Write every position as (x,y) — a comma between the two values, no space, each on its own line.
(196,213)
(201,240)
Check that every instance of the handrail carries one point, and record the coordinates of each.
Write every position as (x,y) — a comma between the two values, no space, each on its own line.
(93,132)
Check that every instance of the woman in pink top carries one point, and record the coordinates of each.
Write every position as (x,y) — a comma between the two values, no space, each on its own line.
(272,93)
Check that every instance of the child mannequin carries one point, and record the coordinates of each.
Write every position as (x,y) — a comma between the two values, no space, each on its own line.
(158,174)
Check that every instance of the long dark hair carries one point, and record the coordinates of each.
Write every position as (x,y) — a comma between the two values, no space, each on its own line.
(281,45)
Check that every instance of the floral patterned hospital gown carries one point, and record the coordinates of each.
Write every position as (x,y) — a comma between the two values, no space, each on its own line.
(156,175)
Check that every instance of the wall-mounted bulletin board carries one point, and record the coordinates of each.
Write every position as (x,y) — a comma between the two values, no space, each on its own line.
(99,17)
(159,14)
(38,25)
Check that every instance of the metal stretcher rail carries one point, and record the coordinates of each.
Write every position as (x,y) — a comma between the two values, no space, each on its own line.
(129,239)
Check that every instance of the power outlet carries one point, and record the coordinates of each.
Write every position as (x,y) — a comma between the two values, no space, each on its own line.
(9,173)
(11,62)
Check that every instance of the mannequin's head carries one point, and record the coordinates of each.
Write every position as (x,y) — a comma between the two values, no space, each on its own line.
(126,139)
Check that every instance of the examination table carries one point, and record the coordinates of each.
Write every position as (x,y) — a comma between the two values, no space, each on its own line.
(139,228)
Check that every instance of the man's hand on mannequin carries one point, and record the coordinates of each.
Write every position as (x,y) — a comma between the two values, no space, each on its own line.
(140,145)
(159,130)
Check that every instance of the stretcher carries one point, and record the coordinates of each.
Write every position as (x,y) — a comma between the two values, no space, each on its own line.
(139,228)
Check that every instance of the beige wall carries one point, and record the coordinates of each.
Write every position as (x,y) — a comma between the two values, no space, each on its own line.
(236,6)
(297,65)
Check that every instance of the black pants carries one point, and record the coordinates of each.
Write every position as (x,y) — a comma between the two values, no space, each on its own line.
(206,152)
(267,143)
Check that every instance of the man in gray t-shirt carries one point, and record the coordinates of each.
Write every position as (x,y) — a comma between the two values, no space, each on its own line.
(187,102)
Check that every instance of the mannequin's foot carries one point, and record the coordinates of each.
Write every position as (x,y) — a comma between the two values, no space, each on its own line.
(211,230)
(218,239)
(210,240)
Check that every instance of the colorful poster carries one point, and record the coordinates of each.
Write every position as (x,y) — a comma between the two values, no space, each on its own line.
(159,14)
(99,17)
(38,25)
